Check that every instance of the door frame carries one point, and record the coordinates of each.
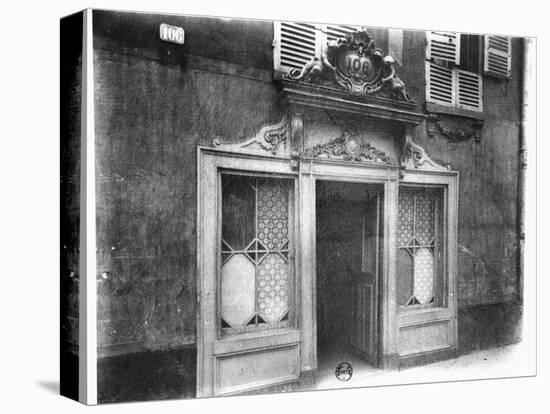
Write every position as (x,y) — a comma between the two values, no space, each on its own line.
(356,344)
(212,350)
(312,171)
(302,338)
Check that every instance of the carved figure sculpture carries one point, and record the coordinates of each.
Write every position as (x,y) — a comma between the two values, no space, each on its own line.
(318,69)
(394,84)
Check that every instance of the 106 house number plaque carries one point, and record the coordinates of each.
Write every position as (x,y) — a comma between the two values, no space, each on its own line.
(173,34)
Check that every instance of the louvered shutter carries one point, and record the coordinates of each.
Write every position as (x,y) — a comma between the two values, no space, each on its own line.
(333,32)
(295,44)
(440,85)
(498,56)
(469,87)
(443,46)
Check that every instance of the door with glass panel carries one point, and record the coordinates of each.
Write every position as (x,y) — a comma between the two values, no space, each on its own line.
(249,336)
(426,262)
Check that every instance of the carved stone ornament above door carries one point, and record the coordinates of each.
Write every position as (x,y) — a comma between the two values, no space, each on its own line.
(414,157)
(347,147)
(356,65)
(270,140)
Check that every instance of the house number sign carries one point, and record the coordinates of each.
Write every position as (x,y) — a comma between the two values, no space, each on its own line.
(359,68)
(173,34)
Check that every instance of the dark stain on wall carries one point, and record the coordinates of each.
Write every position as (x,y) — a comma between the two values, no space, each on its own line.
(147,376)
(489,326)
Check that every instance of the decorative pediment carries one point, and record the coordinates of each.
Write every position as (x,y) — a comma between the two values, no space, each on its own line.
(356,65)
(347,147)
(271,139)
(414,157)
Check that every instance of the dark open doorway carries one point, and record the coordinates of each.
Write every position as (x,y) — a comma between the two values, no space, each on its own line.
(349,233)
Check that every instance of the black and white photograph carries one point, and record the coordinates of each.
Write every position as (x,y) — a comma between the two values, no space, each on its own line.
(329,211)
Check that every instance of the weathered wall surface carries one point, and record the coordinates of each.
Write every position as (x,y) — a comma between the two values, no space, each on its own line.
(489,308)
(155,102)
(70,112)
(487,258)
(151,112)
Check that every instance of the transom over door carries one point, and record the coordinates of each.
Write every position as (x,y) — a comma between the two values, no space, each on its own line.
(248,295)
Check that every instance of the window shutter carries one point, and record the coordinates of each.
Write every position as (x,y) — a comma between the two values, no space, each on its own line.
(439,84)
(338,32)
(443,46)
(498,56)
(295,44)
(469,87)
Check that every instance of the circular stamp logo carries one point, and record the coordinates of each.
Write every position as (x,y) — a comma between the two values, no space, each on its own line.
(344,371)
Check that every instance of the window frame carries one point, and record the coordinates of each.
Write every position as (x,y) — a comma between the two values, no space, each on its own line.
(408,315)
(223,333)
(453,66)
(441,246)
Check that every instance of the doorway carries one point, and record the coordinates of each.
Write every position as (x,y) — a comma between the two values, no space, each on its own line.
(349,239)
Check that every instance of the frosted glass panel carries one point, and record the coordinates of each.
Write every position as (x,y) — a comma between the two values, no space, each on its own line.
(423,276)
(237,291)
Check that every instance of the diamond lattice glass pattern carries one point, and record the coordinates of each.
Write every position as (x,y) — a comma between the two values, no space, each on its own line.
(406,217)
(267,252)
(416,232)
(272,288)
(273,214)
(424,218)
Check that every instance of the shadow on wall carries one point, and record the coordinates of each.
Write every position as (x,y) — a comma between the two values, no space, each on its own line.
(489,326)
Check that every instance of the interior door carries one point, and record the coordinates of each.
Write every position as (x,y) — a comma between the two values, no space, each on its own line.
(365,289)
(248,335)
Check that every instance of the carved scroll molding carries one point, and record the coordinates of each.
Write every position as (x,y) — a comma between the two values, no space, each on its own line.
(347,147)
(414,157)
(455,129)
(271,139)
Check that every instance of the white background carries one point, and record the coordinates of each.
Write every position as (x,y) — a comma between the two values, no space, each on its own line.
(29,205)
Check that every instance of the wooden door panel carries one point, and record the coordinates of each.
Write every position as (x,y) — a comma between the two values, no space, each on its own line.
(365,289)
(257,368)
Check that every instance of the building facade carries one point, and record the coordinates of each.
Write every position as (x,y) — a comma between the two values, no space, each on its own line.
(268,193)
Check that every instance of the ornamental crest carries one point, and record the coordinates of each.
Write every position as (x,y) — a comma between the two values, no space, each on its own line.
(347,147)
(355,64)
